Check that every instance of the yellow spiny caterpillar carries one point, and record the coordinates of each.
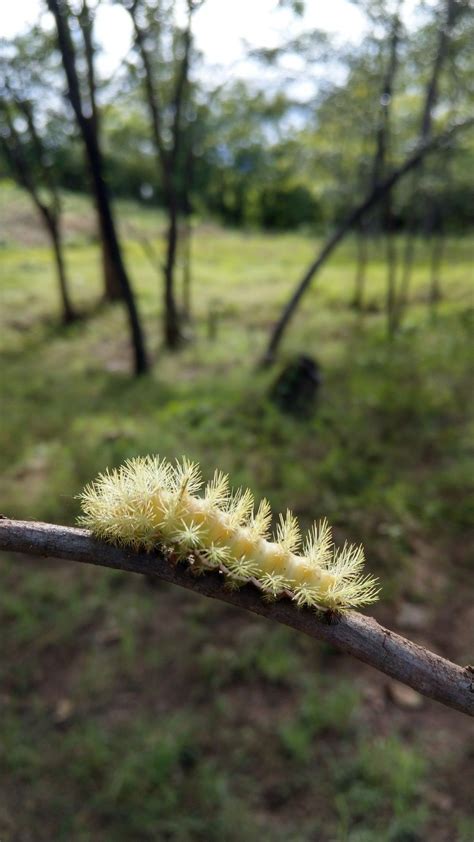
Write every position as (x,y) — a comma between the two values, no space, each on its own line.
(149,501)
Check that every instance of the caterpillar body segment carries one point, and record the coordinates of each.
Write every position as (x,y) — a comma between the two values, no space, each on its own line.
(148,502)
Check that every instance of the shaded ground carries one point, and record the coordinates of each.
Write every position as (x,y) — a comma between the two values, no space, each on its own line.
(136,713)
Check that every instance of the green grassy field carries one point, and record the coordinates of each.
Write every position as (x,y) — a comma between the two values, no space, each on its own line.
(131,712)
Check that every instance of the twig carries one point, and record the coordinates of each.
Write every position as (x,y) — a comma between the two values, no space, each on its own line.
(351,632)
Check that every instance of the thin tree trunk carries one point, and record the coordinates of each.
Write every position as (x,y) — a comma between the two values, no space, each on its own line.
(69,314)
(168,162)
(50,215)
(380,164)
(378,167)
(437,250)
(403,292)
(115,254)
(53,227)
(187,231)
(171,329)
(112,288)
(391,275)
(426,144)
(451,12)
(171,321)
(186,241)
(94,157)
(362,257)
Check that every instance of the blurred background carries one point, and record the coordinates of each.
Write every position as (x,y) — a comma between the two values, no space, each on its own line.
(239,231)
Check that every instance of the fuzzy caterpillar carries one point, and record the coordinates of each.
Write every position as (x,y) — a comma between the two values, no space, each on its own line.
(148,501)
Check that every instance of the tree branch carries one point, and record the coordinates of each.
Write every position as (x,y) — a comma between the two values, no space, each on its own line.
(351,632)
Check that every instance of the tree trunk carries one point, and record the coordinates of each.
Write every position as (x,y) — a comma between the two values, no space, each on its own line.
(172,332)
(186,241)
(69,314)
(437,248)
(114,252)
(50,215)
(451,12)
(112,288)
(362,255)
(379,190)
(187,231)
(167,161)
(94,157)
(408,261)
(391,276)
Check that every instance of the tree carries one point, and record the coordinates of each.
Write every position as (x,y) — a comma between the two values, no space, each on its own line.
(86,117)
(448,14)
(81,23)
(382,151)
(353,219)
(425,142)
(392,23)
(165,52)
(24,149)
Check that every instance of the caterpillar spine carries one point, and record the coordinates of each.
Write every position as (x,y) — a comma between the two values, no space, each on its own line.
(148,502)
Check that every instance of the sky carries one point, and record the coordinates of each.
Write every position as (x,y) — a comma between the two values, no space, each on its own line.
(220,26)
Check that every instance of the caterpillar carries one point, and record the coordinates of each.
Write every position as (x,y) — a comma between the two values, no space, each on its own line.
(149,502)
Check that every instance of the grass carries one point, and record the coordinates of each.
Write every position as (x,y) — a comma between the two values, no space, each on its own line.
(132,712)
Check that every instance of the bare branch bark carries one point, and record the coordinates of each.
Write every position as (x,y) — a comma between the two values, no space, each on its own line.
(351,632)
